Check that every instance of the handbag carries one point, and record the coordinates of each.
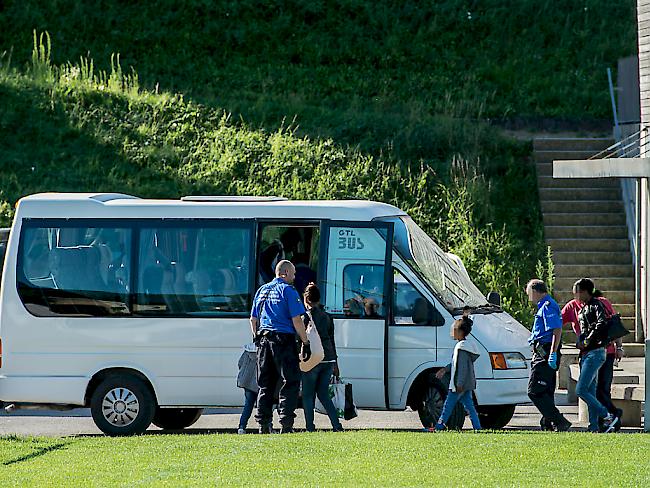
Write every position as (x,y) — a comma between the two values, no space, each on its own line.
(615,328)
(315,344)
(350,410)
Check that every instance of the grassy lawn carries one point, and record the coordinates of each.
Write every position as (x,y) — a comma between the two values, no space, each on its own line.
(353,458)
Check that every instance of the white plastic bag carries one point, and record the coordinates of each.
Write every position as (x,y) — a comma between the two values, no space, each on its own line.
(336,393)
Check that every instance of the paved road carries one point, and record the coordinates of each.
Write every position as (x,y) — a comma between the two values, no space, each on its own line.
(78,422)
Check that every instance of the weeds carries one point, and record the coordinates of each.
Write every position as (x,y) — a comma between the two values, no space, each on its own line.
(99,131)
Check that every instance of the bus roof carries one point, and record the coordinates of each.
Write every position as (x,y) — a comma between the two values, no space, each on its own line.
(117,205)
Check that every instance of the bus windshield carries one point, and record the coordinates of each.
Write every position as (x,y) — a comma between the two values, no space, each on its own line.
(447,279)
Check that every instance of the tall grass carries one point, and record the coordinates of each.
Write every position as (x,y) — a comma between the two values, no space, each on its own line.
(100,131)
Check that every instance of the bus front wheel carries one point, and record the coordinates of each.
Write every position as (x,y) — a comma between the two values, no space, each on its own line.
(495,416)
(122,405)
(176,418)
(430,406)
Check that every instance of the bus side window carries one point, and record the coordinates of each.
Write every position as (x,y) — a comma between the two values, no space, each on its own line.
(193,270)
(74,271)
(363,291)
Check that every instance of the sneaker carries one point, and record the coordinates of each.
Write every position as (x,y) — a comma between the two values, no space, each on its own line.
(265,429)
(440,426)
(546,424)
(563,426)
(609,423)
(287,430)
(241,431)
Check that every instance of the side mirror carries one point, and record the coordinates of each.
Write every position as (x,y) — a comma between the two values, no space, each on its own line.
(494,298)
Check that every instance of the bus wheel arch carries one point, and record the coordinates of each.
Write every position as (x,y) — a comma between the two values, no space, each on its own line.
(122,401)
(427,395)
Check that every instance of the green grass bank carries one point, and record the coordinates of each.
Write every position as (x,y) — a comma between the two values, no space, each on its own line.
(74,128)
(390,101)
(363,458)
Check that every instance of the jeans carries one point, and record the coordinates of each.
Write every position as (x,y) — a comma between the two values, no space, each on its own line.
(590,363)
(250,397)
(604,384)
(316,382)
(465,398)
(277,361)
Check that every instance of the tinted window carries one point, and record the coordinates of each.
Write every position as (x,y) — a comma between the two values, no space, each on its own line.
(363,290)
(409,305)
(193,270)
(77,271)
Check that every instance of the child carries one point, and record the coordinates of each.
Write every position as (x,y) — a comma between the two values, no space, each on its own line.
(247,379)
(463,380)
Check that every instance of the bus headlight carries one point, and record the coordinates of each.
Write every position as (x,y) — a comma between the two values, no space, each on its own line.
(507,360)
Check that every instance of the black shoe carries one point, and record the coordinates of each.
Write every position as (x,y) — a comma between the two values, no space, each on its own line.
(563,426)
(338,429)
(265,429)
(287,430)
(546,424)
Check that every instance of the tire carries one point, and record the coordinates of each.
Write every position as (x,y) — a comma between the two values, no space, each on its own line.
(122,405)
(431,402)
(495,416)
(176,418)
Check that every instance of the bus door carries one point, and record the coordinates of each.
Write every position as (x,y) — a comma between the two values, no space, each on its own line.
(356,279)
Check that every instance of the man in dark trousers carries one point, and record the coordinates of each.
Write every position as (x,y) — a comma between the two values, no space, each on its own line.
(275,321)
(545,339)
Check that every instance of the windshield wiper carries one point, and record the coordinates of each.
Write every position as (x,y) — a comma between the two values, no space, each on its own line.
(481,309)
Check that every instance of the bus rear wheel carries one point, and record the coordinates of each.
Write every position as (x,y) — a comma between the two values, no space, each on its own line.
(176,418)
(122,405)
(430,406)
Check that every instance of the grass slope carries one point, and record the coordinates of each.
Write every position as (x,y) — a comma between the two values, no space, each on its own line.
(70,128)
(364,458)
(374,73)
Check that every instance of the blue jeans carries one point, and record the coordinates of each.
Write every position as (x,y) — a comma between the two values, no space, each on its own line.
(465,398)
(250,397)
(590,363)
(316,382)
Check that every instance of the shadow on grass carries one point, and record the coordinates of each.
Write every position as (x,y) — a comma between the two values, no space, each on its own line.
(41,451)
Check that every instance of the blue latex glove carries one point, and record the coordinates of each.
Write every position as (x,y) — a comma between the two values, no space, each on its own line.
(552,360)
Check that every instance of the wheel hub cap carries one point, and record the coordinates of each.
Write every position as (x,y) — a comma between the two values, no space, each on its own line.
(120,407)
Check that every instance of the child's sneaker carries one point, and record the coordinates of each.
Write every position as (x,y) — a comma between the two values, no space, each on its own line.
(241,431)
(609,423)
(440,426)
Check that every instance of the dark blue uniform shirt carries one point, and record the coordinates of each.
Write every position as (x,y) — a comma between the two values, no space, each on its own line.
(275,304)
(547,319)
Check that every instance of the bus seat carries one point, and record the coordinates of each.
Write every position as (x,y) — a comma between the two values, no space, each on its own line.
(76,268)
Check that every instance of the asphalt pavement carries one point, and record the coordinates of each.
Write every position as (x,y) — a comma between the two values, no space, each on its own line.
(79,422)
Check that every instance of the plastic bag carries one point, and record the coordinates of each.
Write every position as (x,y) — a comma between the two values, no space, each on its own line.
(340,392)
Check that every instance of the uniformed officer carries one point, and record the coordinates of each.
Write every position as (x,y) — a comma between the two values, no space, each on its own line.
(275,321)
(545,339)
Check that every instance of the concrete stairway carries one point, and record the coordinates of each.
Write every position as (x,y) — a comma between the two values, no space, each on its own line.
(584,223)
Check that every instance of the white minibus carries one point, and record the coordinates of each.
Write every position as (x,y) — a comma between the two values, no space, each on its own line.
(138,309)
